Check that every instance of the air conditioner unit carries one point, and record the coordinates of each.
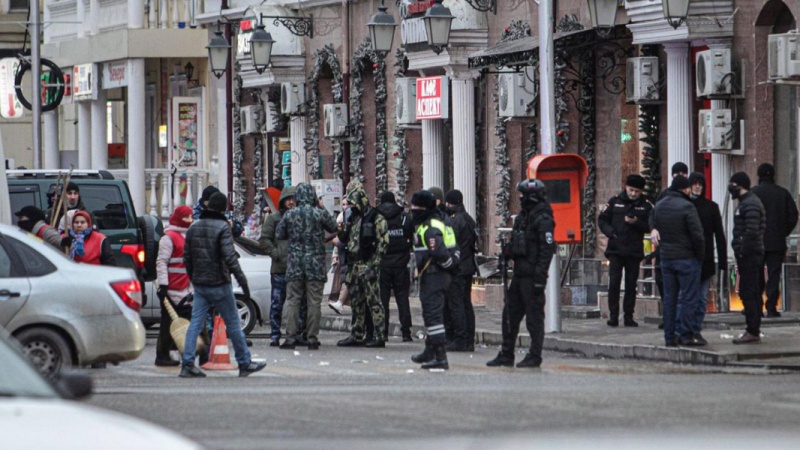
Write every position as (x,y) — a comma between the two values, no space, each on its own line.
(716,130)
(405,100)
(270,118)
(784,55)
(293,97)
(251,117)
(714,75)
(641,82)
(515,91)
(335,119)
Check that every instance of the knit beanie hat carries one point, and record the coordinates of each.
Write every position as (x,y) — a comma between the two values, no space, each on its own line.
(33,213)
(387,197)
(680,183)
(454,197)
(424,199)
(635,180)
(208,192)
(72,186)
(741,179)
(180,213)
(218,202)
(766,171)
(679,167)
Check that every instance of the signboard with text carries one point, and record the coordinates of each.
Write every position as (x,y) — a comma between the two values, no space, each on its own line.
(10,107)
(84,82)
(433,98)
(115,74)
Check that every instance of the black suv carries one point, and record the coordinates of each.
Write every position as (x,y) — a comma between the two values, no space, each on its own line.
(133,239)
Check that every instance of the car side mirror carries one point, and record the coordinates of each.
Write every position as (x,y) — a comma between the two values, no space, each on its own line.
(73,385)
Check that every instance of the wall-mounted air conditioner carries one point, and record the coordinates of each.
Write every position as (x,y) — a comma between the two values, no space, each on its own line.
(251,119)
(406,100)
(270,118)
(293,97)
(784,55)
(714,74)
(516,92)
(335,119)
(642,79)
(716,130)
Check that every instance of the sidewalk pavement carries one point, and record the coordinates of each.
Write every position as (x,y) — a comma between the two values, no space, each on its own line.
(583,332)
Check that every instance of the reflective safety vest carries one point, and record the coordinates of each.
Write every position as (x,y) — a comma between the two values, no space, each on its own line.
(449,237)
(176,270)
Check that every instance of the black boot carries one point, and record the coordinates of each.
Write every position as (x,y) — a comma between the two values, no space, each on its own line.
(426,354)
(440,358)
(530,361)
(503,359)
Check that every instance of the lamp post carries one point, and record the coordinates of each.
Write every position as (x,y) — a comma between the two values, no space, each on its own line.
(261,48)
(438,20)
(381,30)
(603,14)
(218,53)
(675,11)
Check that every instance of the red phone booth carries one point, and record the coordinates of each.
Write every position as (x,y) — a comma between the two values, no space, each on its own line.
(564,176)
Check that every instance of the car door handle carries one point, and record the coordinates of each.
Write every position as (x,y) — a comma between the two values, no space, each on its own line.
(7,293)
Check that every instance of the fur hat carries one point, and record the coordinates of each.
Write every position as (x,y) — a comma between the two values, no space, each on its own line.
(635,180)
(424,199)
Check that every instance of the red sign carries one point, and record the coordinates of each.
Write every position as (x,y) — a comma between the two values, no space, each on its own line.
(433,99)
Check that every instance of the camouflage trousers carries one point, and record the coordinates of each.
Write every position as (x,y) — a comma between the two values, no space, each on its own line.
(365,294)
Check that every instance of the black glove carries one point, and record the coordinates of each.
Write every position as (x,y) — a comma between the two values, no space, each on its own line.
(66,241)
(162,292)
(538,289)
(246,290)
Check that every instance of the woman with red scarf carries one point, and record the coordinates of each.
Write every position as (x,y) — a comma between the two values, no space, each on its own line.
(85,244)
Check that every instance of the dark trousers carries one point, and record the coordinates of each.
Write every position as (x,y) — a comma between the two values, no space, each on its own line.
(749,269)
(165,343)
(277,301)
(459,317)
(522,301)
(616,265)
(395,279)
(774,263)
(432,288)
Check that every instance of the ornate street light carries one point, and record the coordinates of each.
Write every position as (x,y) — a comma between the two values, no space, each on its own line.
(675,11)
(437,26)
(261,48)
(218,53)
(381,30)
(603,13)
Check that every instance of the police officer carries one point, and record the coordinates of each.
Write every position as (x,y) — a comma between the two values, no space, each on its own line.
(436,257)
(531,248)
(625,220)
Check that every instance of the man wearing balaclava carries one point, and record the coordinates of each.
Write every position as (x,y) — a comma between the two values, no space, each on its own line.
(366,237)
(31,219)
(781,213)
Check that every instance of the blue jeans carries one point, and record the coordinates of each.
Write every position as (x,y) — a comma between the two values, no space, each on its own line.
(220,297)
(702,304)
(681,288)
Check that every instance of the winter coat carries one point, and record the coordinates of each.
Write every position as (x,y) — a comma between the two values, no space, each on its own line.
(401,235)
(749,225)
(47,233)
(781,213)
(625,239)
(366,235)
(679,226)
(536,224)
(209,254)
(464,227)
(713,232)
(166,248)
(304,228)
(277,249)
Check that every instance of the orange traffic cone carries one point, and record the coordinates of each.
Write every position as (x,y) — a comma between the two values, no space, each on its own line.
(220,358)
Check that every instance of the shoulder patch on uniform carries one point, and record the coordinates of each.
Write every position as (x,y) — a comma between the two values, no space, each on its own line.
(548,237)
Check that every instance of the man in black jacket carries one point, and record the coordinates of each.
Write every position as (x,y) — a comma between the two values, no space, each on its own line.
(713,232)
(624,220)
(394,274)
(210,259)
(460,325)
(531,248)
(682,247)
(749,223)
(781,213)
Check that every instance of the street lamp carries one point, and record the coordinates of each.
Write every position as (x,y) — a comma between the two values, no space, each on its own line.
(381,30)
(437,26)
(603,13)
(218,53)
(261,48)
(675,11)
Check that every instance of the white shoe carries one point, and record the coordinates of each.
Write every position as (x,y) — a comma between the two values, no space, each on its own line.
(336,306)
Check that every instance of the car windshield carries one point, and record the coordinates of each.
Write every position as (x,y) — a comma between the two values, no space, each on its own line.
(18,378)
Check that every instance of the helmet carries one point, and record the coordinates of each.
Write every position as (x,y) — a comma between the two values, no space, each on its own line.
(532,190)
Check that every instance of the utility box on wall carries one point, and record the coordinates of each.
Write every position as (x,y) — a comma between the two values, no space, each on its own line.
(564,176)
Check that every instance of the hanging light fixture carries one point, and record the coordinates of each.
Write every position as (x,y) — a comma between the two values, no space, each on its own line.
(438,20)
(261,48)
(675,11)
(603,14)
(381,30)
(218,53)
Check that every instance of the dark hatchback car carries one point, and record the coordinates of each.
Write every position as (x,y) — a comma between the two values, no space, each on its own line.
(133,239)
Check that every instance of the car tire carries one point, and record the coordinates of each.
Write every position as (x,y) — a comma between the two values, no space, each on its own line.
(47,349)
(247,313)
(149,227)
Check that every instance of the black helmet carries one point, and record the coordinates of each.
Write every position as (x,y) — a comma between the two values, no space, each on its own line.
(532,190)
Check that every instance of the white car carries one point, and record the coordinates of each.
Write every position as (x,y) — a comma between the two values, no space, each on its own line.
(34,415)
(254,310)
(66,313)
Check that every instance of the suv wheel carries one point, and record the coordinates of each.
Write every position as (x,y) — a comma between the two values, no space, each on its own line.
(46,349)
(247,313)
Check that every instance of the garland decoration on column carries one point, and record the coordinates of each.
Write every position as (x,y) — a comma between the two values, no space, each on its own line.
(361,57)
(567,23)
(326,54)
(239,180)
(258,166)
(399,147)
(649,127)
(586,107)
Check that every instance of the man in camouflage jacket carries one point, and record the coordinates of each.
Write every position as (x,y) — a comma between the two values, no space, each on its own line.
(366,237)
(304,227)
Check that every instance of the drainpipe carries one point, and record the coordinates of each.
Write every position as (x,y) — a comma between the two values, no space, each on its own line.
(346,85)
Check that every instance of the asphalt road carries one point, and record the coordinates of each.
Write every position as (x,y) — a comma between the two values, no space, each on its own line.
(377,398)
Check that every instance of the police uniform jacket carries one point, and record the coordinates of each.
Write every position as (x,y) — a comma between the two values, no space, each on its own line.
(537,225)
(625,239)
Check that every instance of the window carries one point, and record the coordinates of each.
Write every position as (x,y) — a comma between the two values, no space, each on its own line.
(5,263)
(22,196)
(35,264)
(19,5)
(105,202)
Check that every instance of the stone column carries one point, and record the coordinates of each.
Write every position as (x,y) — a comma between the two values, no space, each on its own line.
(99,137)
(432,153)
(84,135)
(221,123)
(51,160)
(463,92)
(136,133)
(679,107)
(297,130)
